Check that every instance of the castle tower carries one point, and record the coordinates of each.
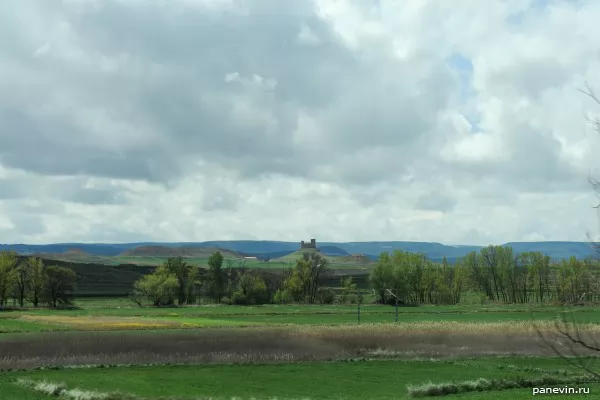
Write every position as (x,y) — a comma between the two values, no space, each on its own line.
(311,245)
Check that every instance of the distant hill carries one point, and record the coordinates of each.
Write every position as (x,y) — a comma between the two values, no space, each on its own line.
(268,255)
(291,257)
(556,250)
(332,251)
(96,249)
(166,251)
(275,249)
(75,252)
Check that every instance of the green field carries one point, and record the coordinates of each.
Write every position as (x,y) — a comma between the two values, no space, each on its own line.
(278,351)
(383,379)
(123,314)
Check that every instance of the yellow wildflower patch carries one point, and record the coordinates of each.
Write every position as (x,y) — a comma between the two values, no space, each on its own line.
(101,323)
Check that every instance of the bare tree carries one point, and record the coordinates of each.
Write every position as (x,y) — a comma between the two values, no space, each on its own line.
(574,341)
(594,182)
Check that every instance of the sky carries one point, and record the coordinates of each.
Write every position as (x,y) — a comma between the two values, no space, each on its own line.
(457,122)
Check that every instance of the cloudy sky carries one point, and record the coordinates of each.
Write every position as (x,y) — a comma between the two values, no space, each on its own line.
(190,120)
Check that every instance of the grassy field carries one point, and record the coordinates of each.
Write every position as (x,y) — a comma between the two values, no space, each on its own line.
(382,379)
(287,352)
(95,314)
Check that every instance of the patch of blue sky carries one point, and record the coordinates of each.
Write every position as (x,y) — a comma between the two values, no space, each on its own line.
(464,68)
(516,19)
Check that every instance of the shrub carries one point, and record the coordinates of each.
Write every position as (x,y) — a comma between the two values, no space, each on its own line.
(160,287)
(251,289)
(443,389)
(326,295)
(283,297)
(240,299)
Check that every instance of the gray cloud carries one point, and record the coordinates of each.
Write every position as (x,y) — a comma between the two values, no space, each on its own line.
(436,202)
(70,189)
(28,224)
(182,119)
(143,94)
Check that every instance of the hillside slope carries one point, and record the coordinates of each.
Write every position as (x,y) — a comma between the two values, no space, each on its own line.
(166,251)
(274,249)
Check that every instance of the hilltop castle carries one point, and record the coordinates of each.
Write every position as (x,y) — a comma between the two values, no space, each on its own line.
(311,245)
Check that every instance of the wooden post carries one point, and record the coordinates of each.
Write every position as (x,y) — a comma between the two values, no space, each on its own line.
(358,307)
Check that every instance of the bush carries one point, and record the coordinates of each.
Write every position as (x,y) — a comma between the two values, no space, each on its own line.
(283,297)
(239,299)
(479,385)
(252,289)
(326,295)
(159,287)
(226,300)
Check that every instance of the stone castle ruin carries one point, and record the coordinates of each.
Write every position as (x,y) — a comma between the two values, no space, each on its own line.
(311,245)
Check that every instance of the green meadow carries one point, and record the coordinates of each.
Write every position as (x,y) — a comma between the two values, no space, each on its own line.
(112,349)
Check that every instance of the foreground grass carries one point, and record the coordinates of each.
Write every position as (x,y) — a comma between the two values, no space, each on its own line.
(255,352)
(326,380)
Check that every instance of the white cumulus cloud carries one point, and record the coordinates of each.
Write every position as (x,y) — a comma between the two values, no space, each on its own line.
(190,120)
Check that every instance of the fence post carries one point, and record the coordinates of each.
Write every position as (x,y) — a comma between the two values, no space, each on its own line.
(395,297)
(358,307)
(396,308)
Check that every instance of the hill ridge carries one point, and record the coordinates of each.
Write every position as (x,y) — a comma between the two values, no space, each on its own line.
(274,249)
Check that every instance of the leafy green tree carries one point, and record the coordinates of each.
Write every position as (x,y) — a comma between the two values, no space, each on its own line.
(217,281)
(305,279)
(59,284)
(572,281)
(317,266)
(160,288)
(182,271)
(8,263)
(382,276)
(412,278)
(22,276)
(251,289)
(349,288)
(35,282)
(193,285)
(459,279)
(283,296)
(297,283)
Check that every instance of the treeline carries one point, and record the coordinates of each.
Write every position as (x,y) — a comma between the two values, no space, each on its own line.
(26,280)
(177,282)
(495,273)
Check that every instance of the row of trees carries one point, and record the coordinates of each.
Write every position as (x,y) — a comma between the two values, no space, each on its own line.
(177,282)
(412,278)
(28,280)
(496,273)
